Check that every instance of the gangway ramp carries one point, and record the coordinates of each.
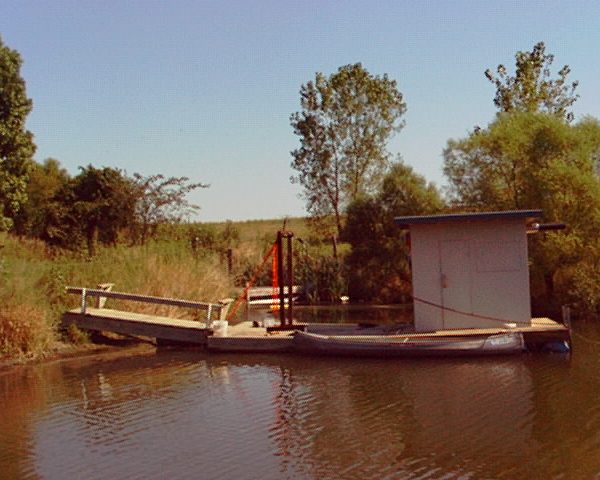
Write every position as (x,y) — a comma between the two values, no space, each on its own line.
(142,324)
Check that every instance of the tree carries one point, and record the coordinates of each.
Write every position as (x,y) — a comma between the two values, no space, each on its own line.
(534,160)
(104,203)
(161,200)
(532,89)
(92,207)
(16,142)
(345,122)
(378,264)
(45,181)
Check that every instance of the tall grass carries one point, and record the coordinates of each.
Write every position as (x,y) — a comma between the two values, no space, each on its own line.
(33,277)
(33,280)
(26,326)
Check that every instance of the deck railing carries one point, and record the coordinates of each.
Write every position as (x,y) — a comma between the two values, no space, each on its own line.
(218,310)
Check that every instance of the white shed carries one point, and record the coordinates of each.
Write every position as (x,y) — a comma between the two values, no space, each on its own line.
(470,270)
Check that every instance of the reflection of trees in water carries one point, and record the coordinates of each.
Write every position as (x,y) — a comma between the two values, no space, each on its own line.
(305,417)
(116,398)
(566,421)
(370,419)
(24,394)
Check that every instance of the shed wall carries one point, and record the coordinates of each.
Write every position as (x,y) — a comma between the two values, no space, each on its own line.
(470,274)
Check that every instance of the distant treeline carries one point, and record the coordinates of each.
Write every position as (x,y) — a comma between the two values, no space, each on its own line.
(99,205)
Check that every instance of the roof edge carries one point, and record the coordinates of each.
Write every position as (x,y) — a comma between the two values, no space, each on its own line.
(405,222)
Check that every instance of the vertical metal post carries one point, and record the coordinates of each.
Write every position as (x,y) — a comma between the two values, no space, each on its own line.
(280,278)
(290,279)
(83,300)
(208,315)
(247,301)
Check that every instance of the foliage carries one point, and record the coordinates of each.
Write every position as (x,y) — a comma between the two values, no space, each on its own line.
(532,89)
(248,270)
(23,330)
(161,200)
(533,160)
(583,286)
(345,122)
(16,142)
(93,206)
(45,181)
(378,264)
(32,285)
(229,236)
(26,328)
(103,204)
(323,277)
(204,239)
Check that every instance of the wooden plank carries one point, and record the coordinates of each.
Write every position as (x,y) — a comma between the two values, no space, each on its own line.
(141,317)
(128,323)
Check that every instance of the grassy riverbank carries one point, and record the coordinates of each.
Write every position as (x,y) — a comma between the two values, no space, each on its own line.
(32,281)
(33,277)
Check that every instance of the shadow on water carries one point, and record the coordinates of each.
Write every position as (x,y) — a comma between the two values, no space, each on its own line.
(187,414)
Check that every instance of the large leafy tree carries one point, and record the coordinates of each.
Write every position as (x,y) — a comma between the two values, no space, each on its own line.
(531,88)
(92,207)
(534,160)
(104,203)
(16,142)
(344,125)
(378,263)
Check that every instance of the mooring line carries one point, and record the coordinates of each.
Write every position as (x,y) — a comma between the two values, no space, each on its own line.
(474,315)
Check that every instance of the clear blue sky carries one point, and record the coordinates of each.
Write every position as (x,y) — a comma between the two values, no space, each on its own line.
(205,89)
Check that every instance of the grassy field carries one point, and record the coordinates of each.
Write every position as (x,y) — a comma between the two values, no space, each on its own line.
(33,278)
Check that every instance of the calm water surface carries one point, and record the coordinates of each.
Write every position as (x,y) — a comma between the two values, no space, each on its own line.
(187,414)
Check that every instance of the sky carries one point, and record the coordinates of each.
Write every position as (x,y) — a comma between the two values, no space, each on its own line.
(205,89)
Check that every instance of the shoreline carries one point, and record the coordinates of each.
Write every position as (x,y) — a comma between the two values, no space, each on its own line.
(62,351)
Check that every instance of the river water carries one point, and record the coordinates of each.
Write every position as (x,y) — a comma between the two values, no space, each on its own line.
(188,414)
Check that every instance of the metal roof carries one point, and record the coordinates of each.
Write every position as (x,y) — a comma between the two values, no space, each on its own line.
(404,222)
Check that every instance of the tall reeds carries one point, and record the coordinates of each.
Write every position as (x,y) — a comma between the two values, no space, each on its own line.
(33,280)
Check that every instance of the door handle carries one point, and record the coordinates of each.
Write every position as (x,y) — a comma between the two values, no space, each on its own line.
(444,280)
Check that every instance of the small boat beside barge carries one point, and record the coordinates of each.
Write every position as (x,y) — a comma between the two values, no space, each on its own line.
(409,346)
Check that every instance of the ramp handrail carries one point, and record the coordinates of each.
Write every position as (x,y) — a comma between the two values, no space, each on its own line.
(219,308)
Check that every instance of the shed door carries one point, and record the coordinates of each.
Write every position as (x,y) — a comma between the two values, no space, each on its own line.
(455,281)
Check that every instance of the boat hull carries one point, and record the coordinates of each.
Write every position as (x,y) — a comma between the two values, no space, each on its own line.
(408,346)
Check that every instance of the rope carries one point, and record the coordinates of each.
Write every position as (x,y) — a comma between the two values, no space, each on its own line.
(474,315)
(236,305)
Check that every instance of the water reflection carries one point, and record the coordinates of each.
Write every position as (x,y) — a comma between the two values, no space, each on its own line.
(175,414)
(378,420)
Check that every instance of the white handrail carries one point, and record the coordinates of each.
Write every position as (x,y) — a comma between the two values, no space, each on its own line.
(175,302)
